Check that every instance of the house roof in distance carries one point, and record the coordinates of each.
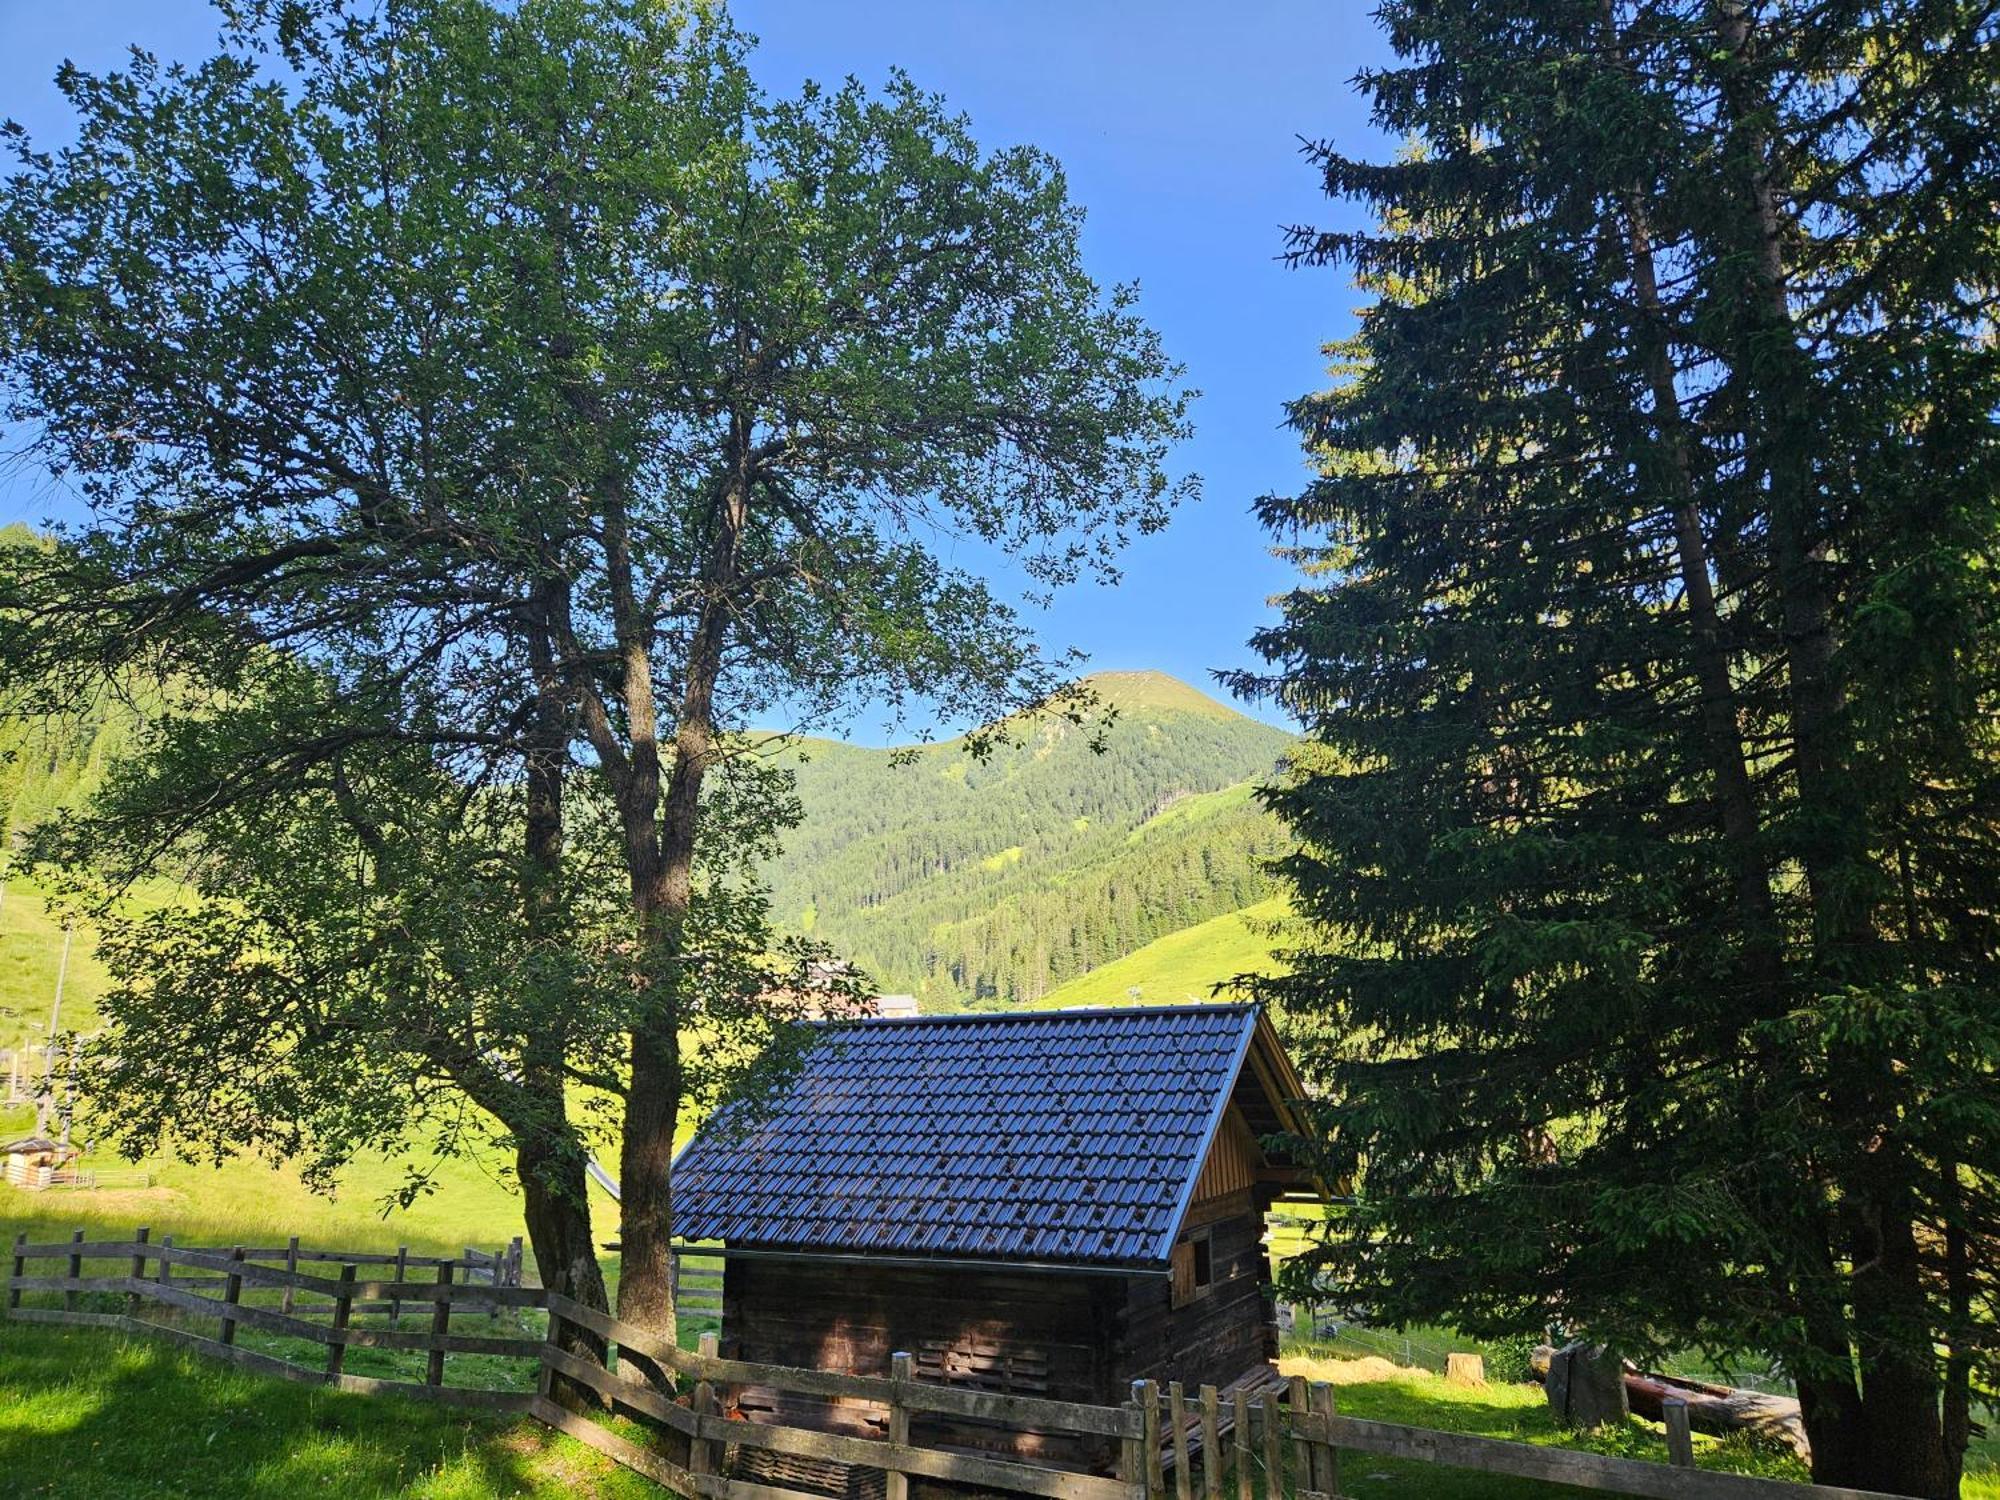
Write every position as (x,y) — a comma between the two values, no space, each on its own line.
(1051,1137)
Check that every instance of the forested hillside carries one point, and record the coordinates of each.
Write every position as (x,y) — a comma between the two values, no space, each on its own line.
(54,762)
(963,881)
(996,881)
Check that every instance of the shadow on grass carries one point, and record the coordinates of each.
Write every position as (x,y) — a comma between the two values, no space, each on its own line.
(90,1414)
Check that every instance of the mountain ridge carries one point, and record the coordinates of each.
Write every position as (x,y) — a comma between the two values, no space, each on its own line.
(996,879)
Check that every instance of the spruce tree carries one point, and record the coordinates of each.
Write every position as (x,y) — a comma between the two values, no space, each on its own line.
(1647,642)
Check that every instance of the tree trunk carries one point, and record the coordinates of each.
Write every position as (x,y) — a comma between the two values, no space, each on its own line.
(548,1155)
(556,1203)
(660,838)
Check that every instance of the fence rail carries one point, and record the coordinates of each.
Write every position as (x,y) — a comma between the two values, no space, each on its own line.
(1163,1442)
(698,1283)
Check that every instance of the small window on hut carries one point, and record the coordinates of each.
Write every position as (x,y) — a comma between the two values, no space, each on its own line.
(1193,1268)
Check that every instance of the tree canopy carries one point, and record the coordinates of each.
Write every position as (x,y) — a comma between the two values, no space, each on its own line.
(1649,646)
(564,404)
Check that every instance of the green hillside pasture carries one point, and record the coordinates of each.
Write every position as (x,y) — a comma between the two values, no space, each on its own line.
(1181,967)
(246,1201)
(31,942)
(1199,808)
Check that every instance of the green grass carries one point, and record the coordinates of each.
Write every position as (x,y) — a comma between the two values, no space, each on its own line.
(248,1201)
(1140,693)
(1182,966)
(31,942)
(99,1416)
(1379,1391)
(470,1201)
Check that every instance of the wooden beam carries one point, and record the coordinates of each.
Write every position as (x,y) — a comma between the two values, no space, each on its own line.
(1177,1421)
(1680,1436)
(903,1371)
(1211,1444)
(1591,1471)
(440,1330)
(1240,1433)
(343,1309)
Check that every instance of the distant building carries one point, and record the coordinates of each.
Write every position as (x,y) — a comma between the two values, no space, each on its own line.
(1049,1203)
(36,1162)
(895,1007)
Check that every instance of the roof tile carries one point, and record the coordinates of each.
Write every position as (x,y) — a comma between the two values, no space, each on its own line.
(1054,1135)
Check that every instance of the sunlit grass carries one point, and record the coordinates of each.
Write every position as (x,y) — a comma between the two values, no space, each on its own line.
(1380,1391)
(96,1416)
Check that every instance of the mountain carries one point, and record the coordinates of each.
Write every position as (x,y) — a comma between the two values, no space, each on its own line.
(997,880)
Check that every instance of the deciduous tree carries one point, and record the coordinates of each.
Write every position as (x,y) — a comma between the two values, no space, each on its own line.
(530,359)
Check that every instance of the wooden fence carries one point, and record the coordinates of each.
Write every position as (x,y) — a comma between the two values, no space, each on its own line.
(1163,1442)
(698,1283)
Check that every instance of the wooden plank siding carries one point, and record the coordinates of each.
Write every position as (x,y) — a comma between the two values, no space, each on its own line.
(1223,1329)
(1069,1336)
(1016,1334)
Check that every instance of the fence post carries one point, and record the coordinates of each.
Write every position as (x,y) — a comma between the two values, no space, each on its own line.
(1680,1439)
(291,1269)
(1274,1454)
(1131,1456)
(514,1261)
(72,1297)
(343,1309)
(1302,1455)
(545,1383)
(440,1326)
(1328,1477)
(1240,1425)
(1211,1444)
(20,1269)
(1177,1418)
(902,1369)
(166,1272)
(232,1293)
(139,1236)
(1156,1479)
(402,1275)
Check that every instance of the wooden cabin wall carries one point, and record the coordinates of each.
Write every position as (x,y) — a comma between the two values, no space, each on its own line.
(1028,1333)
(1224,1331)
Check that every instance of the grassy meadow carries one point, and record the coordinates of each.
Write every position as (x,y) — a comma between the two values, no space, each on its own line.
(133,1417)
(1182,966)
(90,1415)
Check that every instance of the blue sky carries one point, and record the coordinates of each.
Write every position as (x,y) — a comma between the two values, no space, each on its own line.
(1178,124)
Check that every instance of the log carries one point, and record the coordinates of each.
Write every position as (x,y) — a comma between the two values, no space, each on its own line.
(1714,1409)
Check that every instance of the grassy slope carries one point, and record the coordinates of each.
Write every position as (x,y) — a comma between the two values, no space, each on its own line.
(1182,966)
(248,1201)
(30,951)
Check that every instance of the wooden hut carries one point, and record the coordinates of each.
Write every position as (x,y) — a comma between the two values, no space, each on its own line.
(36,1162)
(1049,1203)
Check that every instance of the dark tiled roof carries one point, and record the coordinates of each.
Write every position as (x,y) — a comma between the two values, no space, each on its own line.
(1059,1136)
